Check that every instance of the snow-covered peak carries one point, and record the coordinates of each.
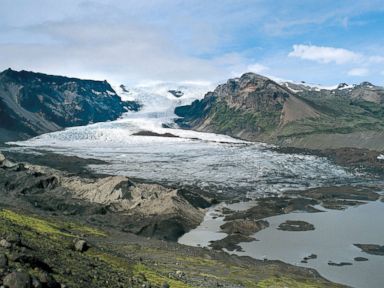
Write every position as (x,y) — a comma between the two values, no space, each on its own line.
(367,85)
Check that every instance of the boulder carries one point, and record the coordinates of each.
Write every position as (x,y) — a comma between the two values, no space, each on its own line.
(36,283)
(81,245)
(47,280)
(180,274)
(17,280)
(5,244)
(3,261)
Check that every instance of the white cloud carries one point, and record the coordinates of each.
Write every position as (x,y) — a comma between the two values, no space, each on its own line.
(358,72)
(257,68)
(324,54)
(376,59)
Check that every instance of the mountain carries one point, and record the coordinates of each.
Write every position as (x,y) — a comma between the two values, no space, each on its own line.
(256,108)
(35,103)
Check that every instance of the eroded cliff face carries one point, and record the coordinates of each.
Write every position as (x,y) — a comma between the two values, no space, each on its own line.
(150,210)
(256,108)
(35,103)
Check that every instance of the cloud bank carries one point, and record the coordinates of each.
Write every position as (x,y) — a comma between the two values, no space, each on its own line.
(323,54)
(130,41)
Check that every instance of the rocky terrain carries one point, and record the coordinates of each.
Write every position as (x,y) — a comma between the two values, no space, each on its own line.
(256,108)
(58,229)
(34,103)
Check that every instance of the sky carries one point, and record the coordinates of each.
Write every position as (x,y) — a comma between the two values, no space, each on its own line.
(131,42)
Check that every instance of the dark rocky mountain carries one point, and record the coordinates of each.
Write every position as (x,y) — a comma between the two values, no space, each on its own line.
(35,103)
(256,108)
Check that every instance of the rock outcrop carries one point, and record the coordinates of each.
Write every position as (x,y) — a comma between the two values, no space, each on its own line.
(244,227)
(35,103)
(145,209)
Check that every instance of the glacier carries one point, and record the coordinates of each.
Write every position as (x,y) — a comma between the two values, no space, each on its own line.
(206,160)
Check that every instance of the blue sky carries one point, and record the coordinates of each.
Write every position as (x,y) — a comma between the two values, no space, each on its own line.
(127,41)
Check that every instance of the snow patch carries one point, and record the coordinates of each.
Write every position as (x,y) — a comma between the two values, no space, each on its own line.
(96,92)
(291,89)
(306,86)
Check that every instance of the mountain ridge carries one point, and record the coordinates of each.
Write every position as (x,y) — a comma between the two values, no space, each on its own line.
(256,108)
(35,103)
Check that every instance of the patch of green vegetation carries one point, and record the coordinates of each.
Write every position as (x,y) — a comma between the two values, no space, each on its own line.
(369,108)
(84,229)
(329,125)
(197,261)
(39,225)
(155,277)
(278,282)
(245,277)
(229,120)
(338,115)
(48,227)
(114,261)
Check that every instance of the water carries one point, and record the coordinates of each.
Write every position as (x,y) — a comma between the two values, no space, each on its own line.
(332,240)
